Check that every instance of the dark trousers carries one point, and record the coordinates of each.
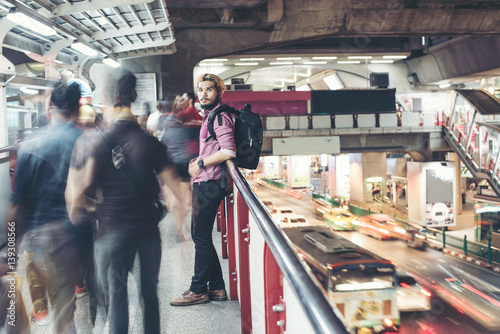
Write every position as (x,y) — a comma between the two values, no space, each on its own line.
(207,270)
(115,250)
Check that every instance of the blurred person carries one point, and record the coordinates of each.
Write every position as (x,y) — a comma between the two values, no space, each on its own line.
(206,171)
(67,78)
(189,116)
(142,119)
(87,122)
(152,123)
(177,139)
(127,224)
(39,211)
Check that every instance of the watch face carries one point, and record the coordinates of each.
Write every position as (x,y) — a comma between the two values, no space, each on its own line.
(200,163)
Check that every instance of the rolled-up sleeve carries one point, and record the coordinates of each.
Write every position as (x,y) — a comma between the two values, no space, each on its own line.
(225,134)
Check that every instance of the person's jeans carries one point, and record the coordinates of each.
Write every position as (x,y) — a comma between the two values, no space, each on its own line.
(53,269)
(115,248)
(207,197)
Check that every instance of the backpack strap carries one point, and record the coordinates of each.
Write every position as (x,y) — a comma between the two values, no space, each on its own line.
(211,117)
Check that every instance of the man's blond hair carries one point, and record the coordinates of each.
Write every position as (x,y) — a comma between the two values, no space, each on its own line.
(219,84)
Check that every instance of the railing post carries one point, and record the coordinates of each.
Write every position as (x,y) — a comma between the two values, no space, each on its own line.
(273,294)
(231,245)
(377,120)
(309,122)
(465,245)
(354,120)
(221,216)
(444,238)
(287,122)
(264,122)
(489,252)
(332,121)
(244,265)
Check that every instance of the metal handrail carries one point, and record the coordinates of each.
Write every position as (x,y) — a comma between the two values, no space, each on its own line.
(323,318)
(9,148)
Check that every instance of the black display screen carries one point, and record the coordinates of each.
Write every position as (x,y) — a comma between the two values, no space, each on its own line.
(353,101)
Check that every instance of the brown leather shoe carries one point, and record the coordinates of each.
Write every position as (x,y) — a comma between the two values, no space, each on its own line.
(190,298)
(217,295)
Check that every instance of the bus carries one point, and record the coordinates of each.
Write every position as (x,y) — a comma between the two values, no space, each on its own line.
(359,283)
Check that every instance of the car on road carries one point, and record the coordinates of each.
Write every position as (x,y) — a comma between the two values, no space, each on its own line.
(284,211)
(292,220)
(378,226)
(340,219)
(270,206)
(411,296)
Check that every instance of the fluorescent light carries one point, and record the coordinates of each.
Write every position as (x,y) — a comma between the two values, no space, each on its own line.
(359,57)
(333,82)
(423,40)
(303,88)
(58,62)
(394,57)
(31,24)
(80,47)
(28,90)
(281,63)
(212,64)
(445,85)
(381,61)
(315,62)
(246,64)
(215,59)
(252,59)
(324,58)
(289,58)
(348,62)
(111,62)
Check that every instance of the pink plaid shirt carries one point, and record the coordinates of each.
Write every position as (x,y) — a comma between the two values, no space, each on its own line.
(224,142)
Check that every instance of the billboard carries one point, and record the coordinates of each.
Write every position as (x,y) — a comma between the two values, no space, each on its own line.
(440,208)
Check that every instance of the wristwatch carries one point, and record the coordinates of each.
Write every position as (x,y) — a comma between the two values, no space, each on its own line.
(201,164)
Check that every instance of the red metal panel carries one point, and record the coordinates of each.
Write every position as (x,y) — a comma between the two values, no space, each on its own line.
(273,294)
(219,217)
(295,107)
(231,247)
(244,266)
(240,105)
(222,215)
(270,108)
(250,97)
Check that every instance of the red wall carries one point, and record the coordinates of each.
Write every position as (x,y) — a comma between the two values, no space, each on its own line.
(269,103)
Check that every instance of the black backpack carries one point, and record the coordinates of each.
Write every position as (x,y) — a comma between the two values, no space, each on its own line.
(248,134)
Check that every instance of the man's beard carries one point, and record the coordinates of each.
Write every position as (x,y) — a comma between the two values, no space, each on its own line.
(210,106)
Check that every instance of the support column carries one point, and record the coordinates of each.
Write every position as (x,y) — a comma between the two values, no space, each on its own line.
(458,189)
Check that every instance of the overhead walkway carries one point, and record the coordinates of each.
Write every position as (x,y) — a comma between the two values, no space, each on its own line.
(473,131)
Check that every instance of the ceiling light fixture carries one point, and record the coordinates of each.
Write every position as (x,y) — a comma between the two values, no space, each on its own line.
(281,63)
(111,62)
(315,62)
(246,64)
(394,57)
(252,59)
(289,58)
(348,62)
(212,64)
(359,57)
(31,24)
(324,58)
(215,59)
(80,47)
(382,61)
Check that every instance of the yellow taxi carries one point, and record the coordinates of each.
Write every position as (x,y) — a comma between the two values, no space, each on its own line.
(340,219)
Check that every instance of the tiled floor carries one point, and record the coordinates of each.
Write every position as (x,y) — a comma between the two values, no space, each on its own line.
(175,275)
